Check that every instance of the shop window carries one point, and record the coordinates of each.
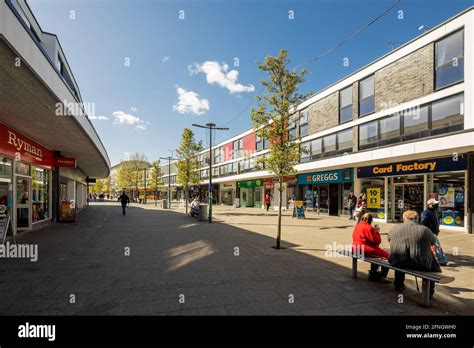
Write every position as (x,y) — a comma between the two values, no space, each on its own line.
(447,115)
(22,168)
(415,123)
(292,127)
(389,130)
(449,60)
(368,135)
(6,194)
(316,149)
(303,123)
(40,189)
(449,189)
(345,105)
(344,141)
(258,143)
(367,96)
(374,190)
(305,152)
(329,145)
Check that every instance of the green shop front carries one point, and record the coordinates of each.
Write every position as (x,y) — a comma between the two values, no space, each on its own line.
(393,188)
(326,192)
(250,193)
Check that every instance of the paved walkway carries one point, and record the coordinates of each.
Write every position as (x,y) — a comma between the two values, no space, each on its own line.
(179,266)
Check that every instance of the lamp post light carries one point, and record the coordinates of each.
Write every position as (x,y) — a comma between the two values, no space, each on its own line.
(169,158)
(210,126)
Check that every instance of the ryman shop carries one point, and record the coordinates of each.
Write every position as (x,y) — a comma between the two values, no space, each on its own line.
(326,192)
(393,188)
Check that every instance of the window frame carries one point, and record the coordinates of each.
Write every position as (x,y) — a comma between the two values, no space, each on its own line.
(435,56)
(360,99)
(348,105)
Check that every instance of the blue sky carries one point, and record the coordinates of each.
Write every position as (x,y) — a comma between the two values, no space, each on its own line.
(168,55)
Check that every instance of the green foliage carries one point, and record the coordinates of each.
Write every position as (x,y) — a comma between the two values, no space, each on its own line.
(155,180)
(130,175)
(187,159)
(271,117)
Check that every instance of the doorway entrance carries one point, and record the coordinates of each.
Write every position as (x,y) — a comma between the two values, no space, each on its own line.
(407,196)
(23,202)
(334,199)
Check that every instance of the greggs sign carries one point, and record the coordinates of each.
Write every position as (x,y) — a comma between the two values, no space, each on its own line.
(16,145)
(458,162)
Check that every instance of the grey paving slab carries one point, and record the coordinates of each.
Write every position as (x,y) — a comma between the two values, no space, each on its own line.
(172,255)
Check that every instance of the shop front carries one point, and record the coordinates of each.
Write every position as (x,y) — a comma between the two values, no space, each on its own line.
(289,186)
(251,193)
(326,192)
(394,188)
(25,180)
(227,193)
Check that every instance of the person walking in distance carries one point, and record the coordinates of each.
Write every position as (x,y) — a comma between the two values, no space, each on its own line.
(361,206)
(351,202)
(124,200)
(267,201)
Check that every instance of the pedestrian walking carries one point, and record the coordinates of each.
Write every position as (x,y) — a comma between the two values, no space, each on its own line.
(351,202)
(429,218)
(124,200)
(361,206)
(267,201)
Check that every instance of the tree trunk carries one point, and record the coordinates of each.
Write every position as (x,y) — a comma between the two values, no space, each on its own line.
(186,193)
(279,216)
(156,197)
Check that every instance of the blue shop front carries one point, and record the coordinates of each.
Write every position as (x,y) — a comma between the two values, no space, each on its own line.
(326,192)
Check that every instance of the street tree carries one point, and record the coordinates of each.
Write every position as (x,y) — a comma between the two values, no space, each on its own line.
(272,117)
(188,165)
(131,172)
(155,180)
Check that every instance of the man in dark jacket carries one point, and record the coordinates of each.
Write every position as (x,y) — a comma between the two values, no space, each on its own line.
(429,218)
(124,200)
(410,248)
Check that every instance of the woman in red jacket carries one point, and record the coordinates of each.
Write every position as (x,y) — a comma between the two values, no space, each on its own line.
(366,240)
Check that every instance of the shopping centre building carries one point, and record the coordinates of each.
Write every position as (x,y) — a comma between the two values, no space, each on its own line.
(400,129)
(48,146)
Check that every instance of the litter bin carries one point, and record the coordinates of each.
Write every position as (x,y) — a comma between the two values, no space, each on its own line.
(236,203)
(202,212)
(165,204)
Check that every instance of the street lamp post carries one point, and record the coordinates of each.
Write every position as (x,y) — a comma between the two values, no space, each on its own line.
(169,158)
(210,126)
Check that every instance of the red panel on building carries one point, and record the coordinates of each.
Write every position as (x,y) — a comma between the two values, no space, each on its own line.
(249,143)
(228,151)
(16,145)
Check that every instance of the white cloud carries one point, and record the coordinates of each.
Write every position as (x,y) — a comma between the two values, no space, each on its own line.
(189,102)
(133,109)
(121,117)
(99,118)
(165,59)
(217,73)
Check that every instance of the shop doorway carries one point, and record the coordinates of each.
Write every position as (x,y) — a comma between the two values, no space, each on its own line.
(407,196)
(23,203)
(246,197)
(334,199)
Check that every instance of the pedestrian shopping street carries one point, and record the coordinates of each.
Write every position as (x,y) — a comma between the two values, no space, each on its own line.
(177,265)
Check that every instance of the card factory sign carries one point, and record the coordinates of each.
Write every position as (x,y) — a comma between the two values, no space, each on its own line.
(24,149)
(415,167)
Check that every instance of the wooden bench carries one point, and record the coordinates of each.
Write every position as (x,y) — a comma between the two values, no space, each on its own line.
(427,277)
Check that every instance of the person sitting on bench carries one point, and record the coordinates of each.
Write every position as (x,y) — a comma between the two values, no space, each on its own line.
(410,248)
(366,242)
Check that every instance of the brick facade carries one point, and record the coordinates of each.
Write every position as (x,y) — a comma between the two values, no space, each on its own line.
(408,78)
(324,113)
